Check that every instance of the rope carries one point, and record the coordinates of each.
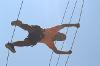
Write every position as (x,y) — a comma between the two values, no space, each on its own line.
(61,23)
(67,30)
(75,32)
(7,58)
(65,11)
(50,59)
(14,32)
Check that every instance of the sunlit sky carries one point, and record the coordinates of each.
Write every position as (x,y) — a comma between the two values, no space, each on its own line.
(48,13)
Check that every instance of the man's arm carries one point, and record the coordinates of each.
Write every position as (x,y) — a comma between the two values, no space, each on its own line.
(59,27)
(21,25)
(52,46)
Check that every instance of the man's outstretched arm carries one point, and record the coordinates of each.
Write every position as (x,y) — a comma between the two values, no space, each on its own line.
(21,25)
(59,27)
(52,46)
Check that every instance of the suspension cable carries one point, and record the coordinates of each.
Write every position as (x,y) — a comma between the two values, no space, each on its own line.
(75,32)
(61,23)
(67,30)
(14,31)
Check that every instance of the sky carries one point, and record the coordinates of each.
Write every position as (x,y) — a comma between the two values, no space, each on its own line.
(48,13)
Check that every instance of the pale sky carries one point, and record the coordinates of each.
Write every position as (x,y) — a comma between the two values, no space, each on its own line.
(48,13)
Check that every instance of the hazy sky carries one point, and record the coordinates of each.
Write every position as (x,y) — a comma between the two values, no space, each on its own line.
(48,13)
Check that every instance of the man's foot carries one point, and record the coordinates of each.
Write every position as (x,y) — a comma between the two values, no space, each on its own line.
(77,25)
(69,52)
(16,23)
(10,47)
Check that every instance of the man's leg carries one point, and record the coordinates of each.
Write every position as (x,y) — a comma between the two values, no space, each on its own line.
(10,46)
(23,43)
(21,25)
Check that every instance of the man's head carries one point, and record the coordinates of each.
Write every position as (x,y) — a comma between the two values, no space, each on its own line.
(60,37)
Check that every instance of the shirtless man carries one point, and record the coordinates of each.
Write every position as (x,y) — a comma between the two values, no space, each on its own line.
(37,34)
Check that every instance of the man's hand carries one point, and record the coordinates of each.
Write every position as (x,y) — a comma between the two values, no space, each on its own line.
(16,23)
(77,25)
(69,52)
